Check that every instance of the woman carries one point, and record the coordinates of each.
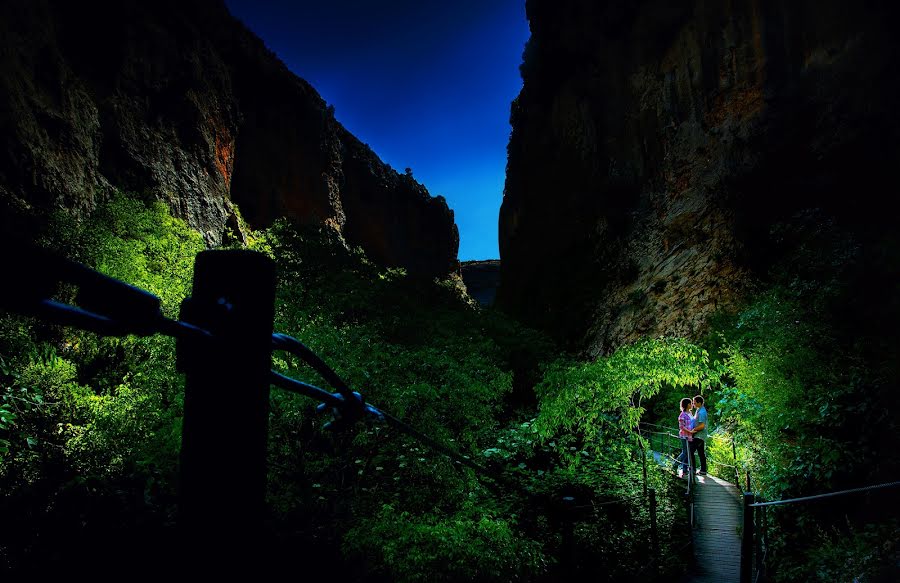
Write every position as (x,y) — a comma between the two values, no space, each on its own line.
(685,427)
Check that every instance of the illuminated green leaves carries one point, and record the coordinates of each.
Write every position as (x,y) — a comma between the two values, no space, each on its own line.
(604,397)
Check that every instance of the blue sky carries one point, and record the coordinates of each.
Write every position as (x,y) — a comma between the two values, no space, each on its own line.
(426,84)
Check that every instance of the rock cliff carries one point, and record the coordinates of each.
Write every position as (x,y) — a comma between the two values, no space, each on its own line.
(482,278)
(180,101)
(666,155)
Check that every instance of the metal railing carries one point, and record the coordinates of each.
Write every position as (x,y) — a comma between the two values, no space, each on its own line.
(755,525)
(666,442)
(755,534)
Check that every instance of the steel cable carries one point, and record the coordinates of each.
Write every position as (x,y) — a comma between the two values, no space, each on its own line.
(827,495)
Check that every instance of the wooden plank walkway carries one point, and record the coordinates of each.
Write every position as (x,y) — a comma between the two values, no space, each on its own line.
(718,517)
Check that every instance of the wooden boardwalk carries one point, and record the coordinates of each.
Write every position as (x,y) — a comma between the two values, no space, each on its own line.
(718,517)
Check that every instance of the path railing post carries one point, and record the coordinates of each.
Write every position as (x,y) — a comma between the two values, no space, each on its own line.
(757,540)
(747,540)
(690,487)
(644,462)
(567,554)
(224,435)
(737,475)
(654,534)
(764,540)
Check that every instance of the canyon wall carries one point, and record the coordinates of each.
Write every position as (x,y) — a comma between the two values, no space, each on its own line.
(665,156)
(178,101)
(481,278)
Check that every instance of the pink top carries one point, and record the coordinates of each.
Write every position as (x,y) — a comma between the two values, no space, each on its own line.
(685,422)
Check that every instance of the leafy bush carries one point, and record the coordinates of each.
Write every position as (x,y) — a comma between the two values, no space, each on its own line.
(604,397)
(791,391)
(90,427)
(810,412)
(467,546)
(95,435)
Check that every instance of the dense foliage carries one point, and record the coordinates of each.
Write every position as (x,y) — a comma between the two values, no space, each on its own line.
(806,404)
(90,427)
(606,395)
(811,413)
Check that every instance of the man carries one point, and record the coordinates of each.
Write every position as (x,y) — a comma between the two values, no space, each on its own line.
(699,433)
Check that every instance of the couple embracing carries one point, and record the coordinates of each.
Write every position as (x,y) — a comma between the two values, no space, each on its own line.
(692,424)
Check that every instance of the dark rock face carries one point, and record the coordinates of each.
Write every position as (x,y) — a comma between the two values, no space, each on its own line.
(665,155)
(181,101)
(482,278)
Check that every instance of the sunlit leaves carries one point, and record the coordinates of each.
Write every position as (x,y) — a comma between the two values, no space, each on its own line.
(468,546)
(143,245)
(603,397)
(787,390)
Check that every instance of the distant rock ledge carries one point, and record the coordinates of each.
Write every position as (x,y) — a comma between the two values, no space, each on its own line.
(482,277)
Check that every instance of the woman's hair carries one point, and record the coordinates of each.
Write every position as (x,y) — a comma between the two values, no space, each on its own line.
(685,403)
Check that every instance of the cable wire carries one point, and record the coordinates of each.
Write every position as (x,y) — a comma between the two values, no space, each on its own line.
(297,348)
(826,495)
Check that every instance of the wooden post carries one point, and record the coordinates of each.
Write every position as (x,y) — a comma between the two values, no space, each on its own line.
(690,456)
(223,448)
(654,534)
(747,540)
(764,538)
(689,494)
(737,475)
(644,463)
(567,556)
(757,540)
(689,505)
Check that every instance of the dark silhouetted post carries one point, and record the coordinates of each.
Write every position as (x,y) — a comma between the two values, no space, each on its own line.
(762,541)
(757,540)
(644,462)
(689,495)
(223,450)
(737,475)
(747,540)
(689,504)
(654,534)
(566,508)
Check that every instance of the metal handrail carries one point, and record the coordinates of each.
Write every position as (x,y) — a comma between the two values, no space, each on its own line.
(826,495)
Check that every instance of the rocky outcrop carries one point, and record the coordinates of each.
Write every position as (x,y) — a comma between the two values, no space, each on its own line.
(482,278)
(180,101)
(665,155)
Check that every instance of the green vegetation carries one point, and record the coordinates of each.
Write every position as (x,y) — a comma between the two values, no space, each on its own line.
(604,397)
(805,404)
(811,412)
(90,427)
